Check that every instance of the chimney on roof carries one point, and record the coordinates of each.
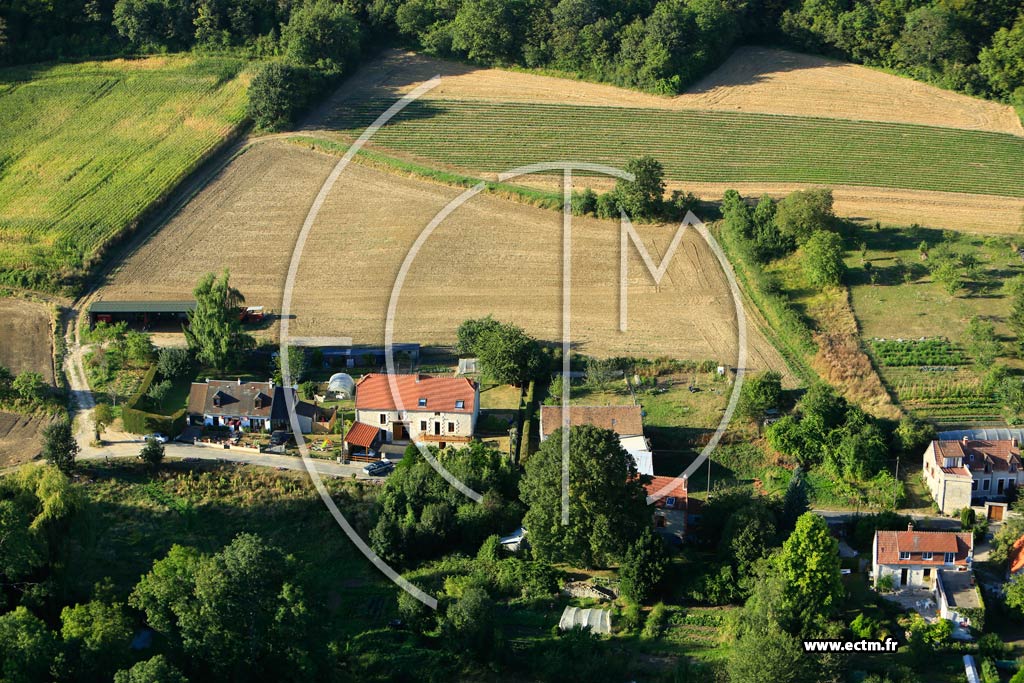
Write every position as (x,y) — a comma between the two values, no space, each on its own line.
(418,378)
(910,525)
(239,380)
(966,438)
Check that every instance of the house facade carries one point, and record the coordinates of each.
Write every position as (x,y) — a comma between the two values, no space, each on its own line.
(914,558)
(626,421)
(440,411)
(959,472)
(674,513)
(251,407)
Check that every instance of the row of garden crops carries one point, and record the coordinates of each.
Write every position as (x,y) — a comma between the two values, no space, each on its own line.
(928,352)
(703,146)
(89,147)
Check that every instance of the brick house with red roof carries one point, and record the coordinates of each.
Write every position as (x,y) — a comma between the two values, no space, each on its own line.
(440,411)
(958,472)
(914,558)
(674,512)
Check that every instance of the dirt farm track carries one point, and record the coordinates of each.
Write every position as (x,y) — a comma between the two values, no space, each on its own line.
(490,256)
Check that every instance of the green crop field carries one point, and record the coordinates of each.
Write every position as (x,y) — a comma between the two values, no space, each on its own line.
(702,146)
(87,148)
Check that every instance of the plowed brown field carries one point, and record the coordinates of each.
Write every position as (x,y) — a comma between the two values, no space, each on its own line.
(491,256)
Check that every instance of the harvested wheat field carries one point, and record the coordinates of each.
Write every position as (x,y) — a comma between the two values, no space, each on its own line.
(980,213)
(246,220)
(26,340)
(20,438)
(491,256)
(753,79)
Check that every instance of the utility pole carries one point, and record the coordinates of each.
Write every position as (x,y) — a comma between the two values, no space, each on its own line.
(896,488)
(709,481)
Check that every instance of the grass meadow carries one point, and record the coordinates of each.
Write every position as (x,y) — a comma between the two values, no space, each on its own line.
(703,146)
(88,148)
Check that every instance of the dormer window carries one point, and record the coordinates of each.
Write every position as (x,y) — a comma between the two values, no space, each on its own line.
(460,404)
(904,556)
(423,403)
(988,468)
(258,401)
(949,558)
(926,556)
(216,399)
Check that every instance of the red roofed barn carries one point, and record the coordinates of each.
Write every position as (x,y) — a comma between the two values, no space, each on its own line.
(438,410)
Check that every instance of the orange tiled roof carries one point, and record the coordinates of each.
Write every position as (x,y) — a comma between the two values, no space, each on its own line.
(678,491)
(623,420)
(975,454)
(892,543)
(1017,556)
(373,392)
(362,434)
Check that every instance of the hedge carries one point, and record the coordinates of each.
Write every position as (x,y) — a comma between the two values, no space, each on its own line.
(140,422)
(529,408)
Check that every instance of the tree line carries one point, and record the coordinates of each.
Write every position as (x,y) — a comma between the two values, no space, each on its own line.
(659,46)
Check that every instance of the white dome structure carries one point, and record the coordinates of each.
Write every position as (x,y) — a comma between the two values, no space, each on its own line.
(342,384)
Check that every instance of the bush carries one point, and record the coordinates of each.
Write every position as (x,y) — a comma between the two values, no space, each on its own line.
(606,206)
(656,620)
(631,617)
(584,203)
(279,92)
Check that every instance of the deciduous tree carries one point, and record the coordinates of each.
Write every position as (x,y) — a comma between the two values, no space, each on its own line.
(607,502)
(152,453)
(643,567)
(154,670)
(323,34)
(822,259)
(214,332)
(809,562)
(800,214)
(59,446)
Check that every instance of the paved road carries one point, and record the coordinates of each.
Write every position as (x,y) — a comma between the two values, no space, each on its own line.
(934,521)
(130,449)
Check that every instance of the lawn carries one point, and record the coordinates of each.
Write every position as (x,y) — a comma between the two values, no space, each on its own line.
(717,146)
(89,147)
(500,397)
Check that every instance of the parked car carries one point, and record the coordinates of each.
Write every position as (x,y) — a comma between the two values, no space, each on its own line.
(157,436)
(379,468)
(279,438)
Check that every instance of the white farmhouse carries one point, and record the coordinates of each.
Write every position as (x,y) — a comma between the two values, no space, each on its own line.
(440,411)
(913,558)
(960,471)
